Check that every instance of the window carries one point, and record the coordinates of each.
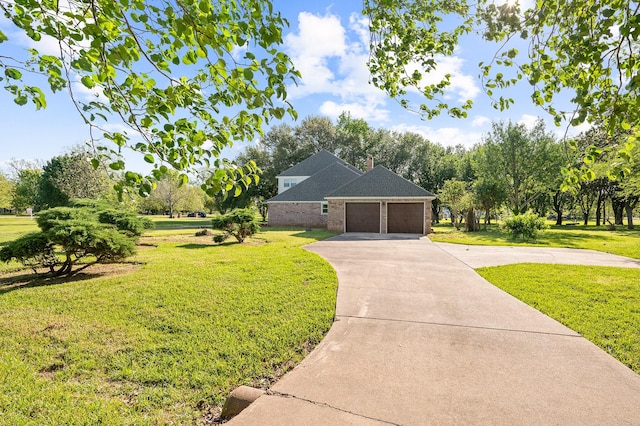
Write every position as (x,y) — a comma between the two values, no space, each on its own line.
(324,208)
(290,183)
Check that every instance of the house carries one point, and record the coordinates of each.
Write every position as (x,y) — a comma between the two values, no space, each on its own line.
(302,188)
(324,191)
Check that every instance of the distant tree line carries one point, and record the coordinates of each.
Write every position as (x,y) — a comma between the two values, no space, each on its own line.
(514,169)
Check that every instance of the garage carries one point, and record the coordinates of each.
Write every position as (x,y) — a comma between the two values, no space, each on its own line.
(405,218)
(362,217)
(380,201)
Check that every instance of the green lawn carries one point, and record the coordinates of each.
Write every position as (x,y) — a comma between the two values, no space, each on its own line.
(622,242)
(164,338)
(600,303)
(164,222)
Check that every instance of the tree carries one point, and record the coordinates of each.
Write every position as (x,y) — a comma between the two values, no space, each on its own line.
(454,195)
(240,223)
(70,176)
(267,186)
(6,192)
(172,195)
(490,194)
(187,78)
(353,139)
(431,166)
(27,184)
(587,48)
(88,231)
(523,160)
(290,145)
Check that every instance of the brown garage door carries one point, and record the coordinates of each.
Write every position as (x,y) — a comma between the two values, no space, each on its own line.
(405,218)
(363,217)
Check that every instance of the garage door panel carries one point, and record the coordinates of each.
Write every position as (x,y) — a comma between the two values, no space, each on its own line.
(363,217)
(405,218)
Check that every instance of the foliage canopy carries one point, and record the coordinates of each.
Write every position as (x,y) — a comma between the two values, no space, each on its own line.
(184,78)
(586,49)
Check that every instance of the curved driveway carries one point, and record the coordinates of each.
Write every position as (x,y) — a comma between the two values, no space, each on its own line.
(420,338)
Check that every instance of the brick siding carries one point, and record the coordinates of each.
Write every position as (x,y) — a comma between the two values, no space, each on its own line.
(297,214)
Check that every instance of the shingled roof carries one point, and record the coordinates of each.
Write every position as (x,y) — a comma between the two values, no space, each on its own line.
(314,164)
(380,182)
(316,187)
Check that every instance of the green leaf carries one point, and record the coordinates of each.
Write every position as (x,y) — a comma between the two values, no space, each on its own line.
(88,82)
(13,73)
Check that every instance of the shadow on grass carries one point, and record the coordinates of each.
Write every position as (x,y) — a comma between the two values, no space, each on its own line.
(22,279)
(30,280)
(229,242)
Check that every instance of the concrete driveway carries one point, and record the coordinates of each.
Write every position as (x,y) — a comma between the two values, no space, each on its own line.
(420,338)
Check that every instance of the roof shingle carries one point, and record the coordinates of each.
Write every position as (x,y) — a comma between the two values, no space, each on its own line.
(380,182)
(316,187)
(314,164)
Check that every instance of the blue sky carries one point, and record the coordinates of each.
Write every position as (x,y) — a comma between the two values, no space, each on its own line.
(328,42)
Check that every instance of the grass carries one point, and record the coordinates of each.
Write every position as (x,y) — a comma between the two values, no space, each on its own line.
(164,338)
(164,222)
(600,303)
(622,242)
(12,227)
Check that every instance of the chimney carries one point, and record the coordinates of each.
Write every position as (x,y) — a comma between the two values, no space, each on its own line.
(369,162)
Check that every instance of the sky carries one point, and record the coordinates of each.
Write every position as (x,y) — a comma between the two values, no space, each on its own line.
(328,42)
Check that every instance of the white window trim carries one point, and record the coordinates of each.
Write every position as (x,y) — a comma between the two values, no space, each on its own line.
(322,208)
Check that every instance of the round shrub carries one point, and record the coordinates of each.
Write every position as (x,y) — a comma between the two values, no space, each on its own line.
(525,226)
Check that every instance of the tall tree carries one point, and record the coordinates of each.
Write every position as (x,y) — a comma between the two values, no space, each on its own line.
(175,196)
(316,133)
(431,167)
(522,159)
(286,150)
(70,176)
(6,192)
(186,78)
(455,196)
(267,186)
(354,140)
(585,47)
(27,182)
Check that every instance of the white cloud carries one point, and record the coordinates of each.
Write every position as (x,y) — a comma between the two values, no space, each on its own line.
(318,36)
(357,110)
(446,136)
(480,120)
(334,64)
(461,86)
(528,120)
(360,25)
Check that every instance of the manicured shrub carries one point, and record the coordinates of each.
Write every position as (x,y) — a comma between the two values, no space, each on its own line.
(33,250)
(525,226)
(239,223)
(76,233)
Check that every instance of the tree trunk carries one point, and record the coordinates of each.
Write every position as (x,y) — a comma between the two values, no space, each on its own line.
(629,209)
(585,216)
(618,210)
(471,224)
(557,207)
